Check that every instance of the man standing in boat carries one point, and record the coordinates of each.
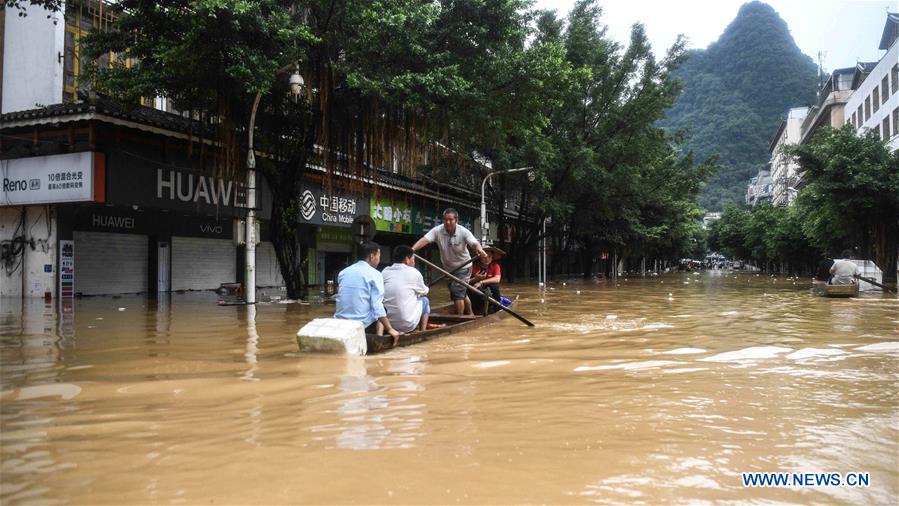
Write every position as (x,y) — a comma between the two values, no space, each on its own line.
(360,292)
(453,241)
(405,292)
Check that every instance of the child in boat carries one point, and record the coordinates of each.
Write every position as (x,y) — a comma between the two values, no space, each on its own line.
(486,275)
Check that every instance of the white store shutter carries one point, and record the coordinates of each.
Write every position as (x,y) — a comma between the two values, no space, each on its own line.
(202,264)
(267,271)
(110,263)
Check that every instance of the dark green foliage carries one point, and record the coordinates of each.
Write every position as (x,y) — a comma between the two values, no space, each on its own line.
(20,5)
(610,178)
(383,80)
(851,196)
(735,94)
(768,236)
(383,76)
(850,199)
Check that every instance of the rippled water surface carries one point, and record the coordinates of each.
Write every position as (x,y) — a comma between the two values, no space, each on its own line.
(659,390)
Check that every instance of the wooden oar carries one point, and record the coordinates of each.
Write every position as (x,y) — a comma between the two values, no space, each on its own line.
(491,299)
(875,283)
(457,269)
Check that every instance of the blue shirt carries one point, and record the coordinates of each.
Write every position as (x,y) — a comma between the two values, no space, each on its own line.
(360,294)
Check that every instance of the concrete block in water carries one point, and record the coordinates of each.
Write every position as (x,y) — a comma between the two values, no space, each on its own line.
(331,335)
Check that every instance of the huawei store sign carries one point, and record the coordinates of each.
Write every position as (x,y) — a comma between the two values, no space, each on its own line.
(71,177)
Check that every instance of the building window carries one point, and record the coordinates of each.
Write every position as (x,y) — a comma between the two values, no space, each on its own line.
(895,77)
(83,17)
(884,86)
(885,131)
(860,118)
(875,101)
(854,120)
(867,107)
(895,121)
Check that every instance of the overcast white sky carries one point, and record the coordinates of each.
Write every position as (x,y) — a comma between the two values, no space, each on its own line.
(846,31)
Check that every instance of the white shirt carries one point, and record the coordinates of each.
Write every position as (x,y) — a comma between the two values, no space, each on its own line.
(843,271)
(453,248)
(403,289)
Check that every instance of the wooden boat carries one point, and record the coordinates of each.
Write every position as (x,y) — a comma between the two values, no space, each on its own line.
(449,324)
(825,290)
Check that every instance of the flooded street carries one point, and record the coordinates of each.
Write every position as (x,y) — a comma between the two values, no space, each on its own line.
(660,390)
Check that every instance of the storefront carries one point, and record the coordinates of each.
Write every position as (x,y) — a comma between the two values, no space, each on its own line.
(122,250)
(403,219)
(32,189)
(330,212)
(136,202)
(162,226)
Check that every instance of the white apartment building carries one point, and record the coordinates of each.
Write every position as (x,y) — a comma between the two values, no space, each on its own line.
(784,169)
(760,189)
(874,105)
(830,109)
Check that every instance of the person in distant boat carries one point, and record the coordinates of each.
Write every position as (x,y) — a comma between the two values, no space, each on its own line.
(405,292)
(844,270)
(486,275)
(453,241)
(360,292)
(822,274)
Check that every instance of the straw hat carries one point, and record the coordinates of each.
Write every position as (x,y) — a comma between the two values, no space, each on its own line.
(495,252)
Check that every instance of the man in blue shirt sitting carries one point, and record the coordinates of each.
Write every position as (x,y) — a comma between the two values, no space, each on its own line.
(360,293)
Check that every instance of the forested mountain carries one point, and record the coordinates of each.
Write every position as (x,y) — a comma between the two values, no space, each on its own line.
(736,92)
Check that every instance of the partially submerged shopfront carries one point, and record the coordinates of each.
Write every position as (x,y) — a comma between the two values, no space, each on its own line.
(140,210)
(401,212)
(128,201)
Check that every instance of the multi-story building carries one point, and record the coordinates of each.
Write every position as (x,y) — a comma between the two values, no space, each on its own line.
(874,105)
(41,53)
(761,188)
(829,110)
(784,169)
(799,127)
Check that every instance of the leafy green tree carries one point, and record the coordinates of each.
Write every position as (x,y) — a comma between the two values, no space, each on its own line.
(609,177)
(851,194)
(769,236)
(383,79)
(727,234)
(488,80)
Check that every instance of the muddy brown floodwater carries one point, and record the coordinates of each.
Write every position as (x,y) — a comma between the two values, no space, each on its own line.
(660,390)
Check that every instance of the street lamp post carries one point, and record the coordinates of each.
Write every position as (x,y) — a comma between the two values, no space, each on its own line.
(484,202)
(296,88)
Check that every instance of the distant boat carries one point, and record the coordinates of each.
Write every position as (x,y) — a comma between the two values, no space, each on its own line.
(824,290)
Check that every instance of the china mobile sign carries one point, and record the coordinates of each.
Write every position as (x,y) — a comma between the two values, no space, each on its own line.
(71,177)
(319,206)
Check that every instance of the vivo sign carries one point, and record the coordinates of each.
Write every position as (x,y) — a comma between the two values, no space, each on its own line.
(51,179)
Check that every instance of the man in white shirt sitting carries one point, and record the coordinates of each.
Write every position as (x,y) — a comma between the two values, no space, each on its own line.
(844,270)
(405,292)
